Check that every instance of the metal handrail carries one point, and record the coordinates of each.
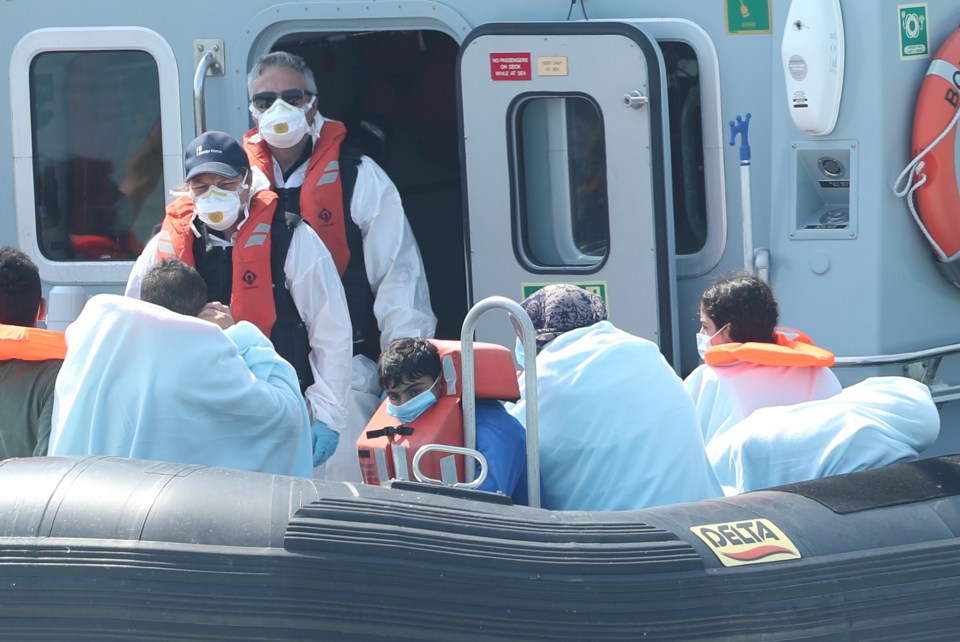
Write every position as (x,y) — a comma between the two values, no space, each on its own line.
(199,78)
(528,336)
(469,454)
(901,358)
(930,359)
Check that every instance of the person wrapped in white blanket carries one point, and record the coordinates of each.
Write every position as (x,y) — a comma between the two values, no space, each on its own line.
(880,421)
(616,429)
(144,381)
(748,363)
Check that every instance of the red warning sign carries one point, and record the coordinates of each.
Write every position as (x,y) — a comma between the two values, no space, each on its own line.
(510,66)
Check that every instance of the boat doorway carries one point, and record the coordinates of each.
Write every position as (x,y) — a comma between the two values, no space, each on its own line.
(396,92)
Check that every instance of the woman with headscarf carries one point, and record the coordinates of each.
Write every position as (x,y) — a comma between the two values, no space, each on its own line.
(617,431)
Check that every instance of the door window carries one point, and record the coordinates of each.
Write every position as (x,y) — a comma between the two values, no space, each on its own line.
(563,213)
(98,159)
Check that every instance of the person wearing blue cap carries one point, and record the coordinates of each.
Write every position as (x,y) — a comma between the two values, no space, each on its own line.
(263,266)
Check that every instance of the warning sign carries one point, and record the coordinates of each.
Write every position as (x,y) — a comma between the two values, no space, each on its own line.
(510,66)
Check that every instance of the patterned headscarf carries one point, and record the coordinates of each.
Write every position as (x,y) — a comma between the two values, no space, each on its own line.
(560,308)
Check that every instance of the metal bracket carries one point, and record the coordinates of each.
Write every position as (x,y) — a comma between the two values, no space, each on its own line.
(201,46)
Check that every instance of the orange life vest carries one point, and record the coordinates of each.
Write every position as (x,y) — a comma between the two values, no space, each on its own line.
(798,351)
(251,297)
(31,344)
(442,423)
(321,198)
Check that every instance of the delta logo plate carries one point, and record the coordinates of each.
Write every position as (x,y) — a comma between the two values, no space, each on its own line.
(751,541)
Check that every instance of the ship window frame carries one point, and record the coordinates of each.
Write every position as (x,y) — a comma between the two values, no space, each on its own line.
(702,262)
(52,40)
(561,252)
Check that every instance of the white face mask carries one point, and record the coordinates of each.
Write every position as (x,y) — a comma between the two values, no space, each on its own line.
(217,208)
(283,125)
(704,342)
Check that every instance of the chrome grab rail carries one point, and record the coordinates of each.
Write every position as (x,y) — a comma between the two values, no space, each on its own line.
(928,360)
(901,358)
(199,78)
(469,398)
(469,455)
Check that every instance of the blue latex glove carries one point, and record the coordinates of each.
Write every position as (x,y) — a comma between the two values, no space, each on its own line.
(324,442)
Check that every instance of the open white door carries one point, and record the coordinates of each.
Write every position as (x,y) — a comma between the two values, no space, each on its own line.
(566,168)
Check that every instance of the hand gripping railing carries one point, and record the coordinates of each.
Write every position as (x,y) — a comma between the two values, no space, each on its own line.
(528,336)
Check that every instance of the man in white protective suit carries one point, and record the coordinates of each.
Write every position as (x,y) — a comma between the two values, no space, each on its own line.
(356,209)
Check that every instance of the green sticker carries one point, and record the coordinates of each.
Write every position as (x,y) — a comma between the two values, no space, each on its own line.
(914,35)
(748,16)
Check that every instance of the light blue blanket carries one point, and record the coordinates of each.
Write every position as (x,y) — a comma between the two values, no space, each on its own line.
(617,429)
(141,381)
(880,421)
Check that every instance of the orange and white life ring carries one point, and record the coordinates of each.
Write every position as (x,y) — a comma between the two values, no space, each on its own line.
(932,172)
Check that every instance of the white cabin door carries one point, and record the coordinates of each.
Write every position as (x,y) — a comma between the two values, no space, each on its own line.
(566,166)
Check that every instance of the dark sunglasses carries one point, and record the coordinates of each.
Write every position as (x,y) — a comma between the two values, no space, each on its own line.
(293,97)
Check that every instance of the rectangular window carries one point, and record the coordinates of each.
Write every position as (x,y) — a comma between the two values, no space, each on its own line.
(563,213)
(98,158)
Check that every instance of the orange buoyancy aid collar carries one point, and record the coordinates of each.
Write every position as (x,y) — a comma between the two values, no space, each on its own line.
(31,344)
(251,289)
(796,352)
(321,197)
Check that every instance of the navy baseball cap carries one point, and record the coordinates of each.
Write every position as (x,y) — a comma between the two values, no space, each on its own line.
(215,153)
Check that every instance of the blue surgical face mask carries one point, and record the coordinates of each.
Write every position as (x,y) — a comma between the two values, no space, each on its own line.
(518,353)
(413,408)
(704,342)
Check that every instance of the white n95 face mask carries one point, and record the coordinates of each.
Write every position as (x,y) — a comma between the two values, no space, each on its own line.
(217,208)
(283,125)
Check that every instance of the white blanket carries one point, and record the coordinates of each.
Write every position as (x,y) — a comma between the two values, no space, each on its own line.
(726,394)
(141,381)
(617,430)
(880,421)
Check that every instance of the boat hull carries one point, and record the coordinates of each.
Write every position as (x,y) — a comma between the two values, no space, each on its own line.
(103,548)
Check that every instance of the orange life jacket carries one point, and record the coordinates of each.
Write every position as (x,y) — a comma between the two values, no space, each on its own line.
(798,351)
(442,423)
(31,344)
(251,297)
(321,198)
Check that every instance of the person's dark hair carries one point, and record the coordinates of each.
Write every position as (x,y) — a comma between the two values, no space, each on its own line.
(173,284)
(406,360)
(746,303)
(20,290)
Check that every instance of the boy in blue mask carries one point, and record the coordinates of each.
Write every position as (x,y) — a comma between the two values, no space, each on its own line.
(409,373)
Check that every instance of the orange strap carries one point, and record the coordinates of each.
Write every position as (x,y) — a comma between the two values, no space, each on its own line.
(796,352)
(31,344)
